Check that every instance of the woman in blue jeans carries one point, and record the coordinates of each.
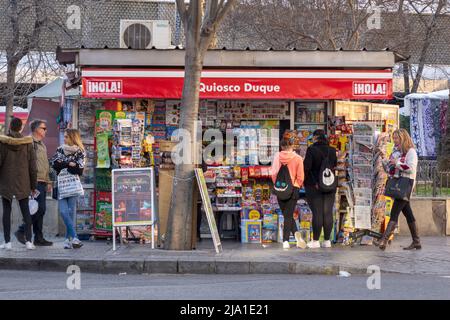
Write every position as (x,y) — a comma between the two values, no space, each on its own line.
(70,156)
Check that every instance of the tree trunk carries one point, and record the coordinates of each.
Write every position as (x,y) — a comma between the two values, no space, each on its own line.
(423,57)
(10,93)
(179,229)
(199,28)
(406,78)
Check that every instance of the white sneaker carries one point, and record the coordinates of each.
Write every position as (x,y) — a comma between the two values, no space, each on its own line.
(313,245)
(326,244)
(6,246)
(67,244)
(286,245)
(76,243)
(30,246)
(300,242)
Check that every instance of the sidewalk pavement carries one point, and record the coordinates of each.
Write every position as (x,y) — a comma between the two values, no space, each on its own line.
(98,257)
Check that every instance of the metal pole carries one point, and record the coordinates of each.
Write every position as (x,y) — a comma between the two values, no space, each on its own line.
(153,206)
(435,176)
(114,238)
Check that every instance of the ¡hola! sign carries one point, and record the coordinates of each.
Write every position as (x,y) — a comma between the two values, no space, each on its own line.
(104,86)
(369,88)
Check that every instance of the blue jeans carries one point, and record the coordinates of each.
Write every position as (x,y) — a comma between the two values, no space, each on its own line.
(67,209)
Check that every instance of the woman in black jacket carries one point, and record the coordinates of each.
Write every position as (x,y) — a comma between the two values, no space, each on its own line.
(70,156)
(321,203)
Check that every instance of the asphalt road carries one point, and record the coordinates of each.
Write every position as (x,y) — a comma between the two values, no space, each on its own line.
(53,285)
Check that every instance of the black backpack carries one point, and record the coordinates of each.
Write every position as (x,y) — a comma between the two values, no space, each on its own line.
(328,181)
(283,184)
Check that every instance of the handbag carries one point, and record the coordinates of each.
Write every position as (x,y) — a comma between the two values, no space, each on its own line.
(399,188)
(69,185)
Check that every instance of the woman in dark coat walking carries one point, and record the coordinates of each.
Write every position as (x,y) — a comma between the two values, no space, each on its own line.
(18,178)
(321,203)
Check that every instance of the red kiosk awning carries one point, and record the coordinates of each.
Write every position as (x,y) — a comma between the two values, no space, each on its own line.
(240,84)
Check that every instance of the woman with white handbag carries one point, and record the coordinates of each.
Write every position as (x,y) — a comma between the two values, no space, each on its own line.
(68,162)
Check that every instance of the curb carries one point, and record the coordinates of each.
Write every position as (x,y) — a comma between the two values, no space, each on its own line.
(179,266)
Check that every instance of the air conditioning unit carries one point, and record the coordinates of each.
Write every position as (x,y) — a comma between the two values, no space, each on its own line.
(145,34)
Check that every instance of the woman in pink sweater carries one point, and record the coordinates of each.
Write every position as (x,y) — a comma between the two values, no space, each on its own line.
(294,163)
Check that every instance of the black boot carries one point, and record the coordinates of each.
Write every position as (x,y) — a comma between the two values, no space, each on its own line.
(387,234)
(415,236)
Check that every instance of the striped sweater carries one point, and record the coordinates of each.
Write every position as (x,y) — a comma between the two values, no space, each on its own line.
(406,164)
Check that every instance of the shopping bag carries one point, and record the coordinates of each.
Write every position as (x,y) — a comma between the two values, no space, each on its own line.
(399,188)
(33,206)
(69,185)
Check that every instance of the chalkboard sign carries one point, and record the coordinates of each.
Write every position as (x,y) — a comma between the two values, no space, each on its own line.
(208,209)
(133,198)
